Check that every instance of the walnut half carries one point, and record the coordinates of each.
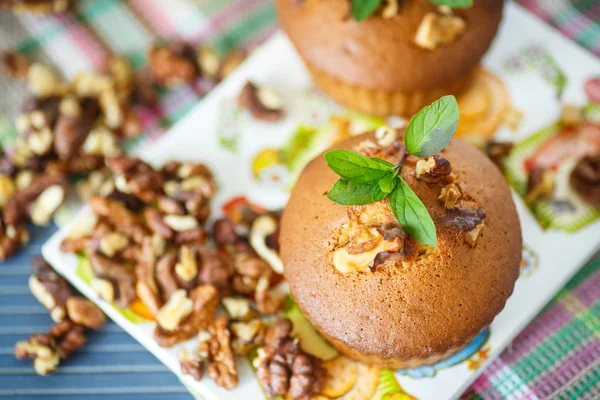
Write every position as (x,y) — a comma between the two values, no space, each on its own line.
(264,104)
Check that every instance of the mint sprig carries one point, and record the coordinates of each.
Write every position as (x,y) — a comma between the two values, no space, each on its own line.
(363,9)
(410,211)
(453,3)
(431,129)
(357,168)
(348,193)
(364,180)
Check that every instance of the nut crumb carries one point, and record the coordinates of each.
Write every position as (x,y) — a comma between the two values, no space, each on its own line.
(264,104)
(450,194)
(438,30)
(433,169)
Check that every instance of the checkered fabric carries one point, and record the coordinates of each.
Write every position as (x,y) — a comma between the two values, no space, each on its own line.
(557,355)
(577,19)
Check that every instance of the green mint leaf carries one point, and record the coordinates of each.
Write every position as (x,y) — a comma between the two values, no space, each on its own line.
(357,168)
(410,211)
(351,194)
(388,183)
(453,3)
(432,128)
(363,9)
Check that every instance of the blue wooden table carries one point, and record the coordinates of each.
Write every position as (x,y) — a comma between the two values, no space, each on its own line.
(111,363)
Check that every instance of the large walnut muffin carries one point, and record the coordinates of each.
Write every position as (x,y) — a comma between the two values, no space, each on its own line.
(420,304)
(395,65)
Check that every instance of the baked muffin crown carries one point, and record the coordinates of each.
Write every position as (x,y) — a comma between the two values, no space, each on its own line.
(424,303)
(381,54)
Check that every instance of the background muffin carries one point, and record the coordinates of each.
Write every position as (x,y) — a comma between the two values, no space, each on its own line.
(423,303)
(393,65)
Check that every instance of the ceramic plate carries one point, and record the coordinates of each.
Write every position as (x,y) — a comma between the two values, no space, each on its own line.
(529,73)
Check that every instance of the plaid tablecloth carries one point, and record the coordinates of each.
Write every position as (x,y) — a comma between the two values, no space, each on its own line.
(557,355)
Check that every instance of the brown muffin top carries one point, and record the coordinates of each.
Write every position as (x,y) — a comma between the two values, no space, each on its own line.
(412,307)
(380,53)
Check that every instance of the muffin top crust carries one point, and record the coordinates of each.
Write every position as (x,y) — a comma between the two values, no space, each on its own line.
(361,280)
(388,53)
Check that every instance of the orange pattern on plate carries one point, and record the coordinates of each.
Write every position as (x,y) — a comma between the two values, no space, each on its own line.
(482,106)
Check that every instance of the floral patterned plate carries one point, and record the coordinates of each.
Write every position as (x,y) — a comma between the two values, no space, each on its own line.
(530,68)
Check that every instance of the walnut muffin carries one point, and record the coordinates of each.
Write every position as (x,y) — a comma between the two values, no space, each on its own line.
(398,59)
(377,294)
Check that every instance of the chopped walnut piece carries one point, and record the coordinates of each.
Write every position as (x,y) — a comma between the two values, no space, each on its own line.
(249,268)
(46,204)
(112,243)
(433,169)
(36,7)
(17,208)
(205,300)
(385,136)
(263,227)
(157,224)
(209,63)
(46,349)
(264,104)
(450,195)
(104,289)
(269,300)
(221,366)
(247,335)
(216,269)
(42,80)
(84,312)
(438,30)
(175,310)
(7,188)
(473,234)
(133,175)
(223,232)
(498,152)
(68,336)
(12,238)
(359,254)
(40,348)
(50,289)
(181,223)
(191,363)
(165,274)
(238,308)
(115,273)
(101,142)
(540,183)
(14,64)
(187,267)
(390,10)
(72,128)
(463,218)
(571,115)
(119,216)
(585,179)
(174,64)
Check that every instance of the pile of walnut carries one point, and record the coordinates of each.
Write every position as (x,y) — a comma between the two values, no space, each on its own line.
(69,128)
(147,241)
(73,316)
(65,129)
